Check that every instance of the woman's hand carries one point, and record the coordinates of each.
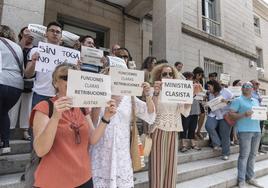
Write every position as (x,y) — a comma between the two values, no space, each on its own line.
(146,88)
(60,105)
(110,110)
(157,87)
(35,57)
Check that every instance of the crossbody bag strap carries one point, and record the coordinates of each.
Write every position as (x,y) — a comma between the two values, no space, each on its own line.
(14,54)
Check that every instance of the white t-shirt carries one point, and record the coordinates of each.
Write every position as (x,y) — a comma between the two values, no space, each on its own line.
(43,80)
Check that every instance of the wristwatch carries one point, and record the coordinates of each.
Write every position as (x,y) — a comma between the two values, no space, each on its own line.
(105,121)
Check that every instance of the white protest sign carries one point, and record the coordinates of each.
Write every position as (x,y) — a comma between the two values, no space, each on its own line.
(38,31)
(264,100)
(235,90)
(51,55)
(225,78)
(69,38)
(177,91)
(201,95)
(1,62)
(116,62)
(88,89)
(91,55)
(126,82)
(216,103)
(259,113)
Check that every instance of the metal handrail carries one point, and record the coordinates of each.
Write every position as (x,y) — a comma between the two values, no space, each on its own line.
(211,26)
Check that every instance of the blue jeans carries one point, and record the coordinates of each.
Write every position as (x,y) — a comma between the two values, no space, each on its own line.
(8,98)
(248,144)
(224,130)
(37,98)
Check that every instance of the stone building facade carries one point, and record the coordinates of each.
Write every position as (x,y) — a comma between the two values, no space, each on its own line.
(218,35)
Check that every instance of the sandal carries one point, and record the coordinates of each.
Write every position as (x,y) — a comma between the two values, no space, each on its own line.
(26,136)
(195,147)
(183,149)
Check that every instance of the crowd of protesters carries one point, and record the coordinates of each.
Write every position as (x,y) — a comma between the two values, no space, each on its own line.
(67,162)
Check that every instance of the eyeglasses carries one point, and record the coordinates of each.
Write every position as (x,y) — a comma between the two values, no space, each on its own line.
(54,31)
(63,77)
(165,74)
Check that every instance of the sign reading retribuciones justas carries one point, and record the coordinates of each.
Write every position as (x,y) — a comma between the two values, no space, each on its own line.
(91,55)
(51,55)
(264,100)
(235,90)
(126,82)
(259,113)
(177,91)
(225,78)
(216,103)
(88,89)
(116,62)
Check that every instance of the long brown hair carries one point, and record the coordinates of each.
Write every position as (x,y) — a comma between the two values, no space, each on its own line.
(157,70)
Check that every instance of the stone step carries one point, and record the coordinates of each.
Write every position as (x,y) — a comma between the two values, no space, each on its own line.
(11,181)
(262,181)
(13,163)
(223,179)
(20,146)
(196,169)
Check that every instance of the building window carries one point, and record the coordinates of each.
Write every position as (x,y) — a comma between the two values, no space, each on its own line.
(257,25)
(150,48)
(259,57)
(212,66)
(210,17)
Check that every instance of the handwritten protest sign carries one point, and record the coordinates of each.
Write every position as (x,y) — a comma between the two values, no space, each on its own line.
(91,55)
(51,55)
(88,89)
(116,62)
(259,113)
(225,78)
(264,100)
(235,90)
(126,82)
(1,62)
(216,103)
(177,91)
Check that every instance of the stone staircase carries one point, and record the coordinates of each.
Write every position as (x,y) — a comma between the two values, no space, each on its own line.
(200,169)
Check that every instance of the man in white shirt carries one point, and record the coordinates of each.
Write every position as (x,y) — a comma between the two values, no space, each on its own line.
(43,88)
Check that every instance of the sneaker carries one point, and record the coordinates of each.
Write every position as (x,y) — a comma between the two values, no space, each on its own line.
(5,150)
(225,157)
(217,148)
(242,184)
(254,183)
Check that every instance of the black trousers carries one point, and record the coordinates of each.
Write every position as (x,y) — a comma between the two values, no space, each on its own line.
(8,98)
(189,125)
(88,184)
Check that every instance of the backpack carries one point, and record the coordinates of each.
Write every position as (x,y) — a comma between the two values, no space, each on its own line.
(28,176)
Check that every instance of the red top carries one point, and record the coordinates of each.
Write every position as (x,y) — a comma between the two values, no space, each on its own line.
(67,164)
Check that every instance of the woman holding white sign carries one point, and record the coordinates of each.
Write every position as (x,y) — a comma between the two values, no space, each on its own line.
(163,160)
(62,136)
(111,159)
(216,119)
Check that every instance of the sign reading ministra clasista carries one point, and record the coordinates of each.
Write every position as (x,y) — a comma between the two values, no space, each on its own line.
(126,82)
(88,89)
(177,91)
(51,55)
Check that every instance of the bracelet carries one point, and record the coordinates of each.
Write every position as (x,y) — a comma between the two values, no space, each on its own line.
(104,120)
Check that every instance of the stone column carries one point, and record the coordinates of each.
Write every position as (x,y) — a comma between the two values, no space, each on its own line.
(167,35)
(17,14)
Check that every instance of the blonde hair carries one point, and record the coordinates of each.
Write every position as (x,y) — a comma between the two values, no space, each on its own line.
(157,70)
(61,68)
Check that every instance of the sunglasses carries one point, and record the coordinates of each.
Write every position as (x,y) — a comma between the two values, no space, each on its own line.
(63,77)
(164,74)
(247,86)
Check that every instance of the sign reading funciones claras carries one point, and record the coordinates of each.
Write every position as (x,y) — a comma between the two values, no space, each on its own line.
(88,89)
(126,82)
(51,55)
(177,91)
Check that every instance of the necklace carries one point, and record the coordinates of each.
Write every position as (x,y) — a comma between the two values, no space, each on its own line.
(74,125)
